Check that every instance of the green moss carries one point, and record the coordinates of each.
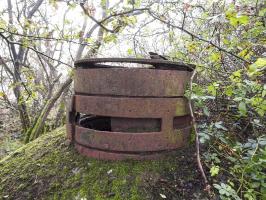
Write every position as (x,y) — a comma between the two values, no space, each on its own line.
(47,168)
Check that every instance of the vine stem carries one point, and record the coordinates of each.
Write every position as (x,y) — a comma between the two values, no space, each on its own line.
(207,185)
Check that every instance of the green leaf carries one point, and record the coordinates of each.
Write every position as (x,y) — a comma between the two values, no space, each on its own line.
(233,21)
(242,108)
(229,91)
(255,184)
(255,68)
(262,12)
(103,3)
(237,73)
(220,126)
(214,170)
(206,111)
(264,91)
(212,90)
(261,62)
(261,112)
(130,51)
(110,38)
(236,20)
(215,57)
(243,19)
(2,23)
(2,94)
(235,77)
(89,40)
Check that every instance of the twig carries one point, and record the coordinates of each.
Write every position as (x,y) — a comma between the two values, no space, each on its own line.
(33,49)
(196,36)
(207,185)
(125,13)
(36,37)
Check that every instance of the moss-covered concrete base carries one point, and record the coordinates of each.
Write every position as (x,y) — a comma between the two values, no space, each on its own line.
(48,168)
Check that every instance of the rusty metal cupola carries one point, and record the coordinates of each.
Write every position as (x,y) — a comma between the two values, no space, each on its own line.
(121,112)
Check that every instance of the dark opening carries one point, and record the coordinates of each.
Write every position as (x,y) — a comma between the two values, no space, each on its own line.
(119,124)
(182,121)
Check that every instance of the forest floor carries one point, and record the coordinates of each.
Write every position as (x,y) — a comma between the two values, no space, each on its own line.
(50,168)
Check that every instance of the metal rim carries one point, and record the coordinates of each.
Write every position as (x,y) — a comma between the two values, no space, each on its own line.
(91,62)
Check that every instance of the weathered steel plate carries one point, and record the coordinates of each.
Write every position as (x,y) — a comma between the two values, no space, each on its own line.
(105,155)
(120,124)
(167,64)
(119,112)
(131,107)
(134,82)
(131,142)
(70,118)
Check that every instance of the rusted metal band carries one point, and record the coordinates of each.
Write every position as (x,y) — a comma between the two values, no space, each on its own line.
(105,155)
(131,107)
(70,118)
(134,82)
(131,142)
(89,62)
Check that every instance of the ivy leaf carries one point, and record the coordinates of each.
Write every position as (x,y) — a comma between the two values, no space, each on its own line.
(220,126)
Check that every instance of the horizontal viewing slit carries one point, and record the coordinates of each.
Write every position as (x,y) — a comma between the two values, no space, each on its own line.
(119,124)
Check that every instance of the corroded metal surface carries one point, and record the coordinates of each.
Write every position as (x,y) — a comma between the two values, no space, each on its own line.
(70,118)
(131,142)
(131,82)
(107,155)
(129,113)
(91,62)
(131,107)
(131,125)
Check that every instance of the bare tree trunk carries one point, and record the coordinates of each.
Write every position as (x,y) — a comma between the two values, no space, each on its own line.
(17,58)
(59,119)
(22,108)
(36,129)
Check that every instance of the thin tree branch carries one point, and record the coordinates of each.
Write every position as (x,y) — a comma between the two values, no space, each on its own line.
(127,13)
(95,20)
(34,37)
(34,9)
(207,186)
(196,36)
(33,49)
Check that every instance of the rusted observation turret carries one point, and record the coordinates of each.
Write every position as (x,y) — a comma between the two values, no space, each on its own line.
(119,112)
